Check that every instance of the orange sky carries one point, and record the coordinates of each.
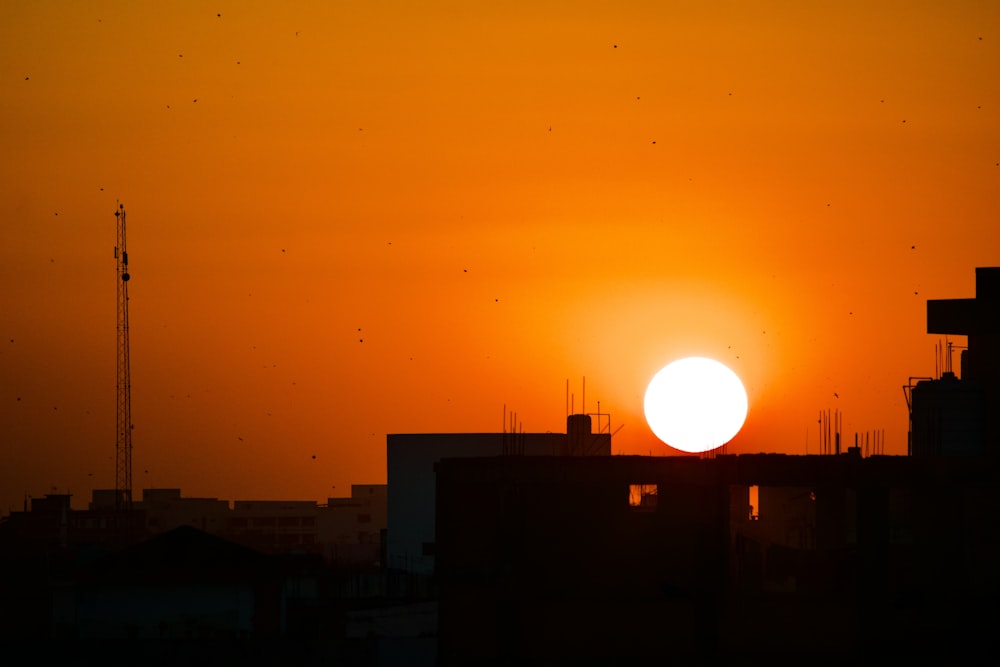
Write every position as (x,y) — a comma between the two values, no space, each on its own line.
(501,196)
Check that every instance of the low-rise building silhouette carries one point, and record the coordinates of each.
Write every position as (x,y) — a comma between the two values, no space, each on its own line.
(183,583)
(57,572)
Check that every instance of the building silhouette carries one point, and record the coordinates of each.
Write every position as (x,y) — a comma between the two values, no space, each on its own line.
(185,569)
(410,465)
(553,559)
(957,415)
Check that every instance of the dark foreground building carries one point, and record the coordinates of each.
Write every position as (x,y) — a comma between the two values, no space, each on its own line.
(959,415)
(600,560)
(410,460)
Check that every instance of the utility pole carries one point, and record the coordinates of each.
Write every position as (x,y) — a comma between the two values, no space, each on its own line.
(123,443)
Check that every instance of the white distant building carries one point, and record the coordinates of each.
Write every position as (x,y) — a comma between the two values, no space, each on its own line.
(346,531)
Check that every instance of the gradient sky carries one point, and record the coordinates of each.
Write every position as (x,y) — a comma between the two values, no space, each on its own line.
(348,219)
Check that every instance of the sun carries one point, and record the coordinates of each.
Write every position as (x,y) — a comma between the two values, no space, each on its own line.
(695,404)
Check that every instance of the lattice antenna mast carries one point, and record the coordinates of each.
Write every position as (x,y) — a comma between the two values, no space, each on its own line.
(123,444)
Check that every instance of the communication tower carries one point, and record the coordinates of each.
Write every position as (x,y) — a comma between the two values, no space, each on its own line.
(123,443)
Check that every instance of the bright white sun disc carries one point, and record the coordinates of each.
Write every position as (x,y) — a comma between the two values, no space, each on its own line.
(695,404)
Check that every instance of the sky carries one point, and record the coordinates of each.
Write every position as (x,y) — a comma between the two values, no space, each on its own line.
(352,219)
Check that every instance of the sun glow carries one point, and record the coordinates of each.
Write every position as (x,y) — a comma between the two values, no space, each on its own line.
(695,404)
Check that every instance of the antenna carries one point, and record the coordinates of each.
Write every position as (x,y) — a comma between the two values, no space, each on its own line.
(838,422)
(123,442)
